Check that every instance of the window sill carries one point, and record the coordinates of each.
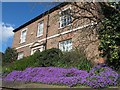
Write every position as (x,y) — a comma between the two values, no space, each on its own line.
(21,42)
(65,26)
(39,35)
(19,58)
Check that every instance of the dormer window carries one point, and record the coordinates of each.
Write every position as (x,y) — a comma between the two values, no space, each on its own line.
(40,28)
(65,18)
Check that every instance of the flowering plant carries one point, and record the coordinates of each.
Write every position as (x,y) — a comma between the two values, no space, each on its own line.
(98,77)
(49,75)
(102,76)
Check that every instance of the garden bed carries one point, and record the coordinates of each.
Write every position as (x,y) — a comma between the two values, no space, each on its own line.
(99,76)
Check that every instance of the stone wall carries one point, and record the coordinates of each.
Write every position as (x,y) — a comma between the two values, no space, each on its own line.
(87,40)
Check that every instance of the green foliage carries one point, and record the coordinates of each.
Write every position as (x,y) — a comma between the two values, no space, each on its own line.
(21,64)
(51,57)
(1,57)
(110,37)
(75,58)
(38,59)
(10,55)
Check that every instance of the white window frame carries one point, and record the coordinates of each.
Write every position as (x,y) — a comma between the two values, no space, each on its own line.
(64,46)
(62,16)
(38,31)
(21,37)
(20,55)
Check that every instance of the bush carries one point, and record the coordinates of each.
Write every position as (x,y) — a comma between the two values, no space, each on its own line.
(52,57)
(49,57)
(21,64)
(39,59)
(75,58)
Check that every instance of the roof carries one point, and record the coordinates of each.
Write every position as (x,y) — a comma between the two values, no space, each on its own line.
(41,15)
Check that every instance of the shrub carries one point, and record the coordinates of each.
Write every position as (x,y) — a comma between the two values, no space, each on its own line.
(52,57)
(46,58)
(49,57)
(102,76)
(21,64)
(76,58)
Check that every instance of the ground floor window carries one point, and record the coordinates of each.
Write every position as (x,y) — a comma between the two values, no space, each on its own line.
(20,55)
(65,45)
(34,49)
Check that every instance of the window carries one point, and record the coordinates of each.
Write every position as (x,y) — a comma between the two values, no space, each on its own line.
(65,45)
(20,55)
(40,48)
(23,36)
(40,29)
(65,18)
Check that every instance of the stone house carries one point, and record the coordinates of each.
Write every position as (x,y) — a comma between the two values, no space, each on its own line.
(55,29)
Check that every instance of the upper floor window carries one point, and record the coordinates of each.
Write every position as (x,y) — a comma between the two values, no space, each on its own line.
(65,45)
(65,18)
(40,28)
(23,35)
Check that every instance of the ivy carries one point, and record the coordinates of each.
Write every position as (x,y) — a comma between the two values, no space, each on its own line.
(109,35)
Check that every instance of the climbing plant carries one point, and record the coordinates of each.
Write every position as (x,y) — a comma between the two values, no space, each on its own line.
(109,34)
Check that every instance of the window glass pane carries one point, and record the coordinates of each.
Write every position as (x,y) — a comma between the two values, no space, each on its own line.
(65,45)
(23,36)
(20,55)
(40,28)
(65,19)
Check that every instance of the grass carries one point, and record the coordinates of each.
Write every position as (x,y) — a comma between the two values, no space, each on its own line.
(36,85)
(39,85)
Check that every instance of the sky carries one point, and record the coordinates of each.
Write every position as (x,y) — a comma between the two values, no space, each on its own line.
(14,14)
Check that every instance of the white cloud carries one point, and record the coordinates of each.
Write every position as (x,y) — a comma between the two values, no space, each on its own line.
(6,31)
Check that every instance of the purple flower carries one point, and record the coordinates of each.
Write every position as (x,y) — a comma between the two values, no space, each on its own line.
(101,76)
(98,77)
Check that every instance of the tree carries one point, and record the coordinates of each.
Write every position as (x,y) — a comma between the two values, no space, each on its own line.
(107,16)
(10,55)
(1,57)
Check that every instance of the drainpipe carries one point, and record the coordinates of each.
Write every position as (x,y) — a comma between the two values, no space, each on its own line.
(47,31)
